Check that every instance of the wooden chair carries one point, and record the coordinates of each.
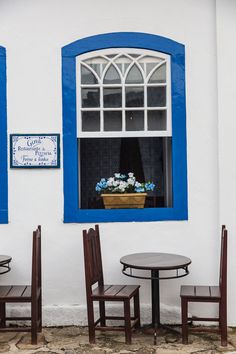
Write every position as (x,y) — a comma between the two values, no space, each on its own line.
(103,293)
(217,294)
(25,293)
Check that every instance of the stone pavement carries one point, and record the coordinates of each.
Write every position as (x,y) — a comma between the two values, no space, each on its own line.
(74,340)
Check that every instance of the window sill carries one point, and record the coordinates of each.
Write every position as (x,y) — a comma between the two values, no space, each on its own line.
(121,215)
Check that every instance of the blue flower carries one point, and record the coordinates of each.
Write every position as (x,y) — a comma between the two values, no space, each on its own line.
(149,186)
(139,190)
(101,185)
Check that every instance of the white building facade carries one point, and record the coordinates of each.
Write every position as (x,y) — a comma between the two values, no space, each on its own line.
(165,71)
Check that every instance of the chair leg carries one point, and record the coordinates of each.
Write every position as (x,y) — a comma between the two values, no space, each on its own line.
(137,309)
(127,317)
(40,313)
(2,314)
(91,325)
(102,313)
(34,320)
(184,315)
(223,323)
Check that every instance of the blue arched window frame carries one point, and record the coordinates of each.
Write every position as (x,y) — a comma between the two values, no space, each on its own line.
(3,140)
(179,211)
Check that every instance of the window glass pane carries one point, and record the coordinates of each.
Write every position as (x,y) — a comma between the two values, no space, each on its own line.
(134,120)
(123,59)
(134,96)
(120,67)
(159,75)
(112,121)
(90,97)
(156,96)
(112,76)
(150,59)
(126,65)
(96,68)
(134,55)
(134,76)
(150,66)
(156,120)
(95,60)
(112,97)
(91,121)
(87,77)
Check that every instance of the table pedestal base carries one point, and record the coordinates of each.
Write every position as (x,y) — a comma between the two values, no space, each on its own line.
(148,329)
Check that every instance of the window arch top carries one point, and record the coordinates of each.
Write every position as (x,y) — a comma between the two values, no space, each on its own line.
(123,92)
(125,62)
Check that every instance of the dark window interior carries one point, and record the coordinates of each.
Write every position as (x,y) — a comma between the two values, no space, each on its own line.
(145,157)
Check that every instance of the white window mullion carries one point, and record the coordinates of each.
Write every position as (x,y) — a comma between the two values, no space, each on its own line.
(101,110)
(123,105)
(145,104)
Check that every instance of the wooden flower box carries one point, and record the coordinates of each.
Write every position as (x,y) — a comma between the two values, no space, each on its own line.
(124,200)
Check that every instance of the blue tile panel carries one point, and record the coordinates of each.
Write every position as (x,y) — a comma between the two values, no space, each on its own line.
(179,211)
(3,140)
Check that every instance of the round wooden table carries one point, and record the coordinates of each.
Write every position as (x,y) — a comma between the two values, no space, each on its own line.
(4,264)
(134,265)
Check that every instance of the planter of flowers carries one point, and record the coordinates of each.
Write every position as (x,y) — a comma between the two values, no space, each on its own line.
(123,192)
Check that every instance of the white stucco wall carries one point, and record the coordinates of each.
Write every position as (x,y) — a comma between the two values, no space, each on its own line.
(226,52)
(33,33)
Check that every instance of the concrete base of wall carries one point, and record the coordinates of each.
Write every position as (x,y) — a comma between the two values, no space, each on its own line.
(67,315)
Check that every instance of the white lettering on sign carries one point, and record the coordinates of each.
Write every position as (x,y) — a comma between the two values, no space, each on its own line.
(35,150)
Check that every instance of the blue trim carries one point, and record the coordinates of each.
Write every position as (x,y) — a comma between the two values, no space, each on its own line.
(3,140)
(179,157)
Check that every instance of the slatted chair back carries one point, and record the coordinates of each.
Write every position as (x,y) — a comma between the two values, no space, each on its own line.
(208,293)
(25,294)
(92,258)
(223,264)
(103,293)
(36,276)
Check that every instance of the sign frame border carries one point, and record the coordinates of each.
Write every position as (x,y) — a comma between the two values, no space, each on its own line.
(58,165)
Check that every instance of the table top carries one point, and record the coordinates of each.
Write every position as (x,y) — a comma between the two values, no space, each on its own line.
(155,261)
(4,259)
(4,264)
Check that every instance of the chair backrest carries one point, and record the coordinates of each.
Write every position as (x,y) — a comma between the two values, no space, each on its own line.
(36,281)
(92,258)
(223,262)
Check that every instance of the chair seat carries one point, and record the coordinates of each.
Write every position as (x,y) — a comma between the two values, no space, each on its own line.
(10,293)
(115,292)
(200,292)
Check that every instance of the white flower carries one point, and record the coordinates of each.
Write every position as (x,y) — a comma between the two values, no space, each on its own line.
(110,181)
(131,181)
(130,174)
(117,175)
(137,184)
(123,184)
(121,188)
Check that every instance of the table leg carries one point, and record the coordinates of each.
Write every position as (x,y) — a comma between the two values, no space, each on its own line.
(155,302)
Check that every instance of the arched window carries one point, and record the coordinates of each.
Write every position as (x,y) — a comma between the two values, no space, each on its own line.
(3,140)
(124,111)
(123,94)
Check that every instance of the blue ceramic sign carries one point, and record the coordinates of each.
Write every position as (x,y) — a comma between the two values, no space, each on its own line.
(35,150)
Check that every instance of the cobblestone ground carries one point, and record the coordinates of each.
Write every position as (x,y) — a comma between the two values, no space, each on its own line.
(74,340)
